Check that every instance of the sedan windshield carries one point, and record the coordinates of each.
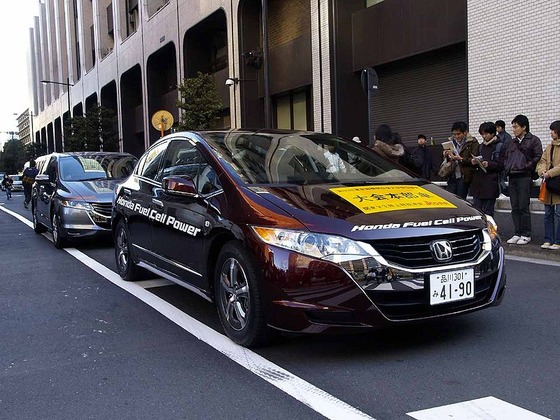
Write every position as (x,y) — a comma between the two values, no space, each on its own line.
(301,158)
(87,168)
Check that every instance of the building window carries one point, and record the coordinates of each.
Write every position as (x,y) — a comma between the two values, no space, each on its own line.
(370,3)
(292,111)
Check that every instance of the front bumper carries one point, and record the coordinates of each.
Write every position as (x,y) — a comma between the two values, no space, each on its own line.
(80,222)
(307,295)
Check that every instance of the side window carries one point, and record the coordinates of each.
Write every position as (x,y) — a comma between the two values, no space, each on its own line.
(183,159)
(51,169)
(152,161)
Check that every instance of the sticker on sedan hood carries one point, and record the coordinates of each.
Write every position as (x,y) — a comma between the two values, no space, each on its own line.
(380,198)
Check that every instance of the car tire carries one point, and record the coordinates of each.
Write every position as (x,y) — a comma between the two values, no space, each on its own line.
(37,227)
(124,258)
(238,297)
(59,237)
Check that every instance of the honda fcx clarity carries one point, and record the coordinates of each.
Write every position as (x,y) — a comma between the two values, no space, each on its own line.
(302,232)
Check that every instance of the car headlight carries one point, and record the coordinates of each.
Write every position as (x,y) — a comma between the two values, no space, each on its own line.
(76,204)
(327,247)
(492,227)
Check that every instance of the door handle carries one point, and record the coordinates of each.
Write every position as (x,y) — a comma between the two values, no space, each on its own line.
(157,203)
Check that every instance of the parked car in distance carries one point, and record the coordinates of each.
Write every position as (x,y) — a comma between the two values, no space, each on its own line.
(17,184)
(72,193)
(302,232)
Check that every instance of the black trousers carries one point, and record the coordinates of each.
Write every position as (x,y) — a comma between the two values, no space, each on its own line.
(27,192)
(520,199)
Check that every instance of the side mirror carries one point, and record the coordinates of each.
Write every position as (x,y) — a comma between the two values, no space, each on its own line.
(41,178)
(178,185)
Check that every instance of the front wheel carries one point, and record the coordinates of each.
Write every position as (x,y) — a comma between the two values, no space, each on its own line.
(59,237)
(127,268)
(238,297)
(37,227)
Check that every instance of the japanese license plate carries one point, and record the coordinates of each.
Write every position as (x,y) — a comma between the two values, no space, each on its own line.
(451,286)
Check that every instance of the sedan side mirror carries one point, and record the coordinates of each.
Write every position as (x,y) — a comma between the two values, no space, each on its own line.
(178,185)
(41,178)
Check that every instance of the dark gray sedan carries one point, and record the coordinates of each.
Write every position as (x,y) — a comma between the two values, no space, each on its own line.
(72,194)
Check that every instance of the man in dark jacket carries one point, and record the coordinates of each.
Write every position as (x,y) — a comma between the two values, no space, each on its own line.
(425,158)
(28,179)
(522,155)
(504,138)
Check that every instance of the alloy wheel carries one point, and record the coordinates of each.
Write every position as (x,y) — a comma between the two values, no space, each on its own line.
(234,296)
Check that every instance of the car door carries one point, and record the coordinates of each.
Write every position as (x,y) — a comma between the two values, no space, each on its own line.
(46,190)
(183,224)
(136,198)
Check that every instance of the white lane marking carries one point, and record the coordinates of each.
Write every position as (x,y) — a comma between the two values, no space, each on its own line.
(308,394)
(488,408)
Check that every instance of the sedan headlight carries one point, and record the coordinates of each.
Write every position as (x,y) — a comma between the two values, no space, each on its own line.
(492,227)
(328,247)
(76,204)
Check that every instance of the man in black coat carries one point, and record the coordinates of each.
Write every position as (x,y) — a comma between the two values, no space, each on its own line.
(424,156)
(522,155)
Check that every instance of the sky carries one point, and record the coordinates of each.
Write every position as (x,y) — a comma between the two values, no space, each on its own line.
(16,17)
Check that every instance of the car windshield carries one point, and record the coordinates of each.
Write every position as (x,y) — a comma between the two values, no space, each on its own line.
(302,158)
(103,166)
(15,177)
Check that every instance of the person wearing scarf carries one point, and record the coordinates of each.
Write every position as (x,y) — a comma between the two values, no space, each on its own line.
(485,186)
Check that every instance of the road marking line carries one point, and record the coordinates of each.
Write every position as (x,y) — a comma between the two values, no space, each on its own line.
(308,394)
(488,408)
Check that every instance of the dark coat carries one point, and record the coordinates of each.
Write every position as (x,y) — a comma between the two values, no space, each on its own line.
(531,148)
(486,185)
(426,158)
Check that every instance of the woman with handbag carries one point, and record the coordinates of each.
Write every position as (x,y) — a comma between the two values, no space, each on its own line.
(549,169)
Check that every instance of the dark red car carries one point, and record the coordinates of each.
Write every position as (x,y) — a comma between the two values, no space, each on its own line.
(302,232)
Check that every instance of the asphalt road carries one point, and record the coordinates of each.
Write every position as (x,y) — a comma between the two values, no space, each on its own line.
(77,345)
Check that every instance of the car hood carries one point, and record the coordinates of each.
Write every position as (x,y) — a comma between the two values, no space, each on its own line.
(97,191)
(374,211)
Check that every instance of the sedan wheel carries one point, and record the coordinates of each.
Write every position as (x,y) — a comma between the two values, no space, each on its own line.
(37,227)
(59,238)
(127,268)
(238,297)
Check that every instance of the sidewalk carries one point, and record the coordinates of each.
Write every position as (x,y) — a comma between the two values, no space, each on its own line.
(503,218)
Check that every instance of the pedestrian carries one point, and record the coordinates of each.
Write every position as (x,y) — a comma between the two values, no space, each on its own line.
(549,167)
(408,159)
(424,155)
(7,183)
(505,139)
(464,147)
(485,187)
(28,179)
(336,164)
(522,155)
(385,143)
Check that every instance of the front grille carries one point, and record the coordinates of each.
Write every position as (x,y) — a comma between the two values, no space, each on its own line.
(415,304)
(103,208)
(416,253)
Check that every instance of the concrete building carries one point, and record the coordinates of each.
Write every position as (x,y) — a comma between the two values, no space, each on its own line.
(294,63)
(24,121)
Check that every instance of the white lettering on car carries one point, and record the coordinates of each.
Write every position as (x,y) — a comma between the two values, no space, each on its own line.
(163,218)
(426,223)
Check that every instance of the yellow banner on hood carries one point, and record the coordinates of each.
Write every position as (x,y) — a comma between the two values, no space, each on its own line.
(380,198)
